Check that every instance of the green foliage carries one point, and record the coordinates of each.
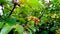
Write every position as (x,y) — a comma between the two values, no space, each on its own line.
(31,17)
(5,29)
(3,2)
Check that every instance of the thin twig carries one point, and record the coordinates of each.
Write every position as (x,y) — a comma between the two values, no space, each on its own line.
(12,10)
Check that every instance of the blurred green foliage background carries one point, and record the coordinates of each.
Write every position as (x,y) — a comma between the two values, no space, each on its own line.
(31,17)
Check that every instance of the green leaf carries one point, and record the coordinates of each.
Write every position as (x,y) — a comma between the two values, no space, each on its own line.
(34,3)
(52,29)
(29,31)
(11,21)
(19,29)
(3,2)
(22,20)
(44,32)
(31,23)
(32,28)
(6,29)
(1,24)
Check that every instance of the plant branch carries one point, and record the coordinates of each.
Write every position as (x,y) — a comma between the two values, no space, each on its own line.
(12,10)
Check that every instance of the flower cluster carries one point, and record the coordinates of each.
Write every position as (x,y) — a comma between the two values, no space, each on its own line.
(35,19)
